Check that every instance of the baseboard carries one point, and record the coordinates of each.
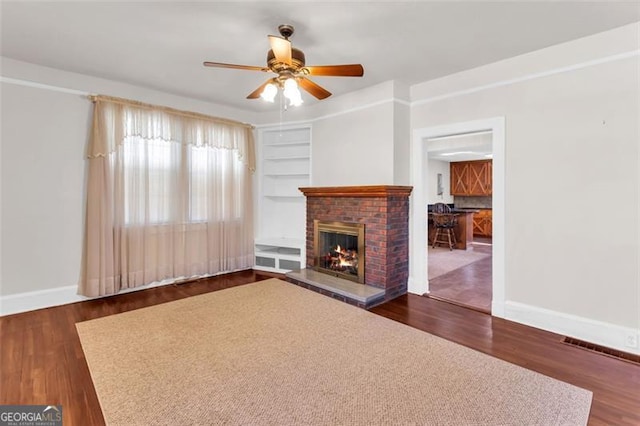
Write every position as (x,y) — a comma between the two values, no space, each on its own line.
(497,309)
(598,332)
(416,287)
(32,300)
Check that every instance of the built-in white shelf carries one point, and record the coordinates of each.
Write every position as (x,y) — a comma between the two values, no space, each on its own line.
(279,254)
(280,242)
(288,143)
(287,158)
(284,162)
(285,174)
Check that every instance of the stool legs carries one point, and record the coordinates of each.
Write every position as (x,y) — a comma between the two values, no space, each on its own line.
(450,237)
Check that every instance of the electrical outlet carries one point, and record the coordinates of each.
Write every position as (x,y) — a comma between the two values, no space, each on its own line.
(632,341)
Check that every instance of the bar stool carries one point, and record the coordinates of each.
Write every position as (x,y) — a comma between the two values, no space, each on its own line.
(445,224)
(441,208)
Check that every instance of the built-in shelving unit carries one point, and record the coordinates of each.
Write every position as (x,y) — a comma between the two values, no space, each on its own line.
(284,165)
(278,254)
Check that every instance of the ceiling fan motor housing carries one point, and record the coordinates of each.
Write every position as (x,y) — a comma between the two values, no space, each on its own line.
(297,59)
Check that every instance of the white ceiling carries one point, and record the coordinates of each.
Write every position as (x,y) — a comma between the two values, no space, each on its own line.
(162,45)
(462,147)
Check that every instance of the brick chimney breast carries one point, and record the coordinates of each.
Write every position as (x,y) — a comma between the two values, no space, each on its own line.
(384,210)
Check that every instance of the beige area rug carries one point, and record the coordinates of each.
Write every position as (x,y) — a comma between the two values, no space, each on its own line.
(272,353)
(442,260)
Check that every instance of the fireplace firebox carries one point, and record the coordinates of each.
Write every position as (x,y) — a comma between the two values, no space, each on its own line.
(339,249)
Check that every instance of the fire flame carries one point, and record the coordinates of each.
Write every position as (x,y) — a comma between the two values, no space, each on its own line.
(346,258)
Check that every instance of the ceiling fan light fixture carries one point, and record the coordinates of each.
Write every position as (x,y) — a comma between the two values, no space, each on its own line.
(296,101)
(290,85)
(269,93)
(291,92)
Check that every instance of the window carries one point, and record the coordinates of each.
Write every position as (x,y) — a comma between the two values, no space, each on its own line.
(149,179)
(168,196)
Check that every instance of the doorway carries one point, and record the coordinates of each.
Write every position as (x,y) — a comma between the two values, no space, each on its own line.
(461,276)
(419,282)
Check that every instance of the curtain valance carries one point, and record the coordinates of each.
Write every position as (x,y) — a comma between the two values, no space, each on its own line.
(115,119)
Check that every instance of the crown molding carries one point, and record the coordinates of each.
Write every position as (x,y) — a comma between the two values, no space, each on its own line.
(533,76)
(28,83)
(336,114)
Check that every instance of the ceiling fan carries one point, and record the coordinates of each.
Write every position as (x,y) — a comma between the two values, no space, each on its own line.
(289,65)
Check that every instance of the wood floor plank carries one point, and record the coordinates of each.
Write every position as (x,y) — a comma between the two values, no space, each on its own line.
(42,362)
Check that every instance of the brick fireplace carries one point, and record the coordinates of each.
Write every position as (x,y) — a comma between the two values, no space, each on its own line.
(384,212)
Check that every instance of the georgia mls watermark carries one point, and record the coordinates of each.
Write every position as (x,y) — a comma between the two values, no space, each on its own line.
(30,415)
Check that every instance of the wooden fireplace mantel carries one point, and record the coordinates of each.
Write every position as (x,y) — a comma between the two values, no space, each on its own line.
(358,191)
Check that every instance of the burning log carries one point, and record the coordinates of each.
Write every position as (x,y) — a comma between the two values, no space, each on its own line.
(344,260)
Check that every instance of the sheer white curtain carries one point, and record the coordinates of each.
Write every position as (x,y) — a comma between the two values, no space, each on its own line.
(169,195)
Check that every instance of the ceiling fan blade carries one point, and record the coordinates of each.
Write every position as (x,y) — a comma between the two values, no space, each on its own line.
(256,93)
(281,49)
(313,88)
(351,70)
(234,66)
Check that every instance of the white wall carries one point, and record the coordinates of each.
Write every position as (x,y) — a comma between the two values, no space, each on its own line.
(361,138)
(401,143)
(572,171)
(355,148)
(44,137)
(433,168)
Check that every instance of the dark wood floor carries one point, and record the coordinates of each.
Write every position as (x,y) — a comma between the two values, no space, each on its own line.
(615,383)
(42,361)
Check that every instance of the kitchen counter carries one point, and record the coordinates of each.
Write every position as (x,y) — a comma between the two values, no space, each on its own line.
(457,210)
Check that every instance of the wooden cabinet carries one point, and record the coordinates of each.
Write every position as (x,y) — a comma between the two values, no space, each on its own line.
(471,177)
(483,223)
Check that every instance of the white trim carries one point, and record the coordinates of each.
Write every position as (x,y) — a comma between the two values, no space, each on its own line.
(335,114)
(259,126)
(288,125)
(42,86)
(533,76)
(418,282)
(32,300)
(359,108)
(598,332)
